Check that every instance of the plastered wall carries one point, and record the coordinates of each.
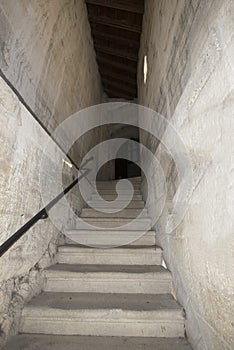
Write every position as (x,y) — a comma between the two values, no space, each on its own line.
(46,52)
(189,48)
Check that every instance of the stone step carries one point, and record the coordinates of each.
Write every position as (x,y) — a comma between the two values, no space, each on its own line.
(60,342)
(125,213)
(113,192)
(112,197)
(108,279)
(104,314)
(111,237)
(119,204)
(111,185)
(128,255)
(109,223)
(134,180)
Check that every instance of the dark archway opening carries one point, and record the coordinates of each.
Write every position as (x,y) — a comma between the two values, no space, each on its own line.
(125,168)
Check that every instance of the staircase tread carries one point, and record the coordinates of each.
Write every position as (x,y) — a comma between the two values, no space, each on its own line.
(118,249)
(104,301)
(134,269)
(138,178)
(88,209)
(112,192)
(98,206)
(125,200)
(107,230)
(133,181)
(120,200)
(93,218)
(95,311)
(129,209)
(123,195)
(59,342)
(121,213)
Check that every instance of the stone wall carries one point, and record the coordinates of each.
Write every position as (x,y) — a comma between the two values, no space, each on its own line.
(46,53)
(22,147)
(189,49)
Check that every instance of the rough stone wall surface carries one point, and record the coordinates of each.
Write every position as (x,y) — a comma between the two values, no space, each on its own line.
(189,49)
(47,54)
(22,146)
(18,290)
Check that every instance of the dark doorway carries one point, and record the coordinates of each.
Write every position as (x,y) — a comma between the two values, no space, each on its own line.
(125,169)
(121,168)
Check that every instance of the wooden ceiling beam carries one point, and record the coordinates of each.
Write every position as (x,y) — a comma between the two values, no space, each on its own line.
(119,85)
(112,63)
(120,33)
(121,50)
(116,39)
(116,28)
(115,52)
(110,74)
(112,93)
(130,6)
(112,22)
(109,69)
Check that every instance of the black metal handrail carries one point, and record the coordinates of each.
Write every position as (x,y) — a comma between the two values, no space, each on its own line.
(42,214)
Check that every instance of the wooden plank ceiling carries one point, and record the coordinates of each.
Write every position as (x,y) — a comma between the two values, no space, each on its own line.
(116,28)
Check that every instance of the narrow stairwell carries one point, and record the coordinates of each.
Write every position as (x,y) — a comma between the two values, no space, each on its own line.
(105,298)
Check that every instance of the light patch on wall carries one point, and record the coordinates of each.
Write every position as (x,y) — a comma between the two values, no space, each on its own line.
(67,163)
(145,69)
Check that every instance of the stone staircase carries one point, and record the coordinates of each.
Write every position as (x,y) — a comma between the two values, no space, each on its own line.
(108,298)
